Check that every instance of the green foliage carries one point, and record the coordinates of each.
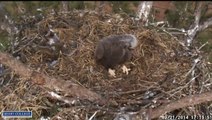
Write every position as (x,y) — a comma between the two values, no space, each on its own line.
(31,7)
(76,5)
(153,12)
(89,5)
(206,36)
(205,15)
(4,42)
(173,17)
(202,38)
(179,4)
(123,6)
(11,9)
(183,16)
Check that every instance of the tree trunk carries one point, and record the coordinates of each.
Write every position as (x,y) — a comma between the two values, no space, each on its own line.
(144,9)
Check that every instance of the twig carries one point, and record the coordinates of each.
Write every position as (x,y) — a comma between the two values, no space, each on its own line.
(206,24)
(202,46)
(62,98)
(93,115)
(28,43)
(194,65)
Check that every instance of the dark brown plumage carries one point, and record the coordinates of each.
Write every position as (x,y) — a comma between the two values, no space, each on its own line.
(114,50)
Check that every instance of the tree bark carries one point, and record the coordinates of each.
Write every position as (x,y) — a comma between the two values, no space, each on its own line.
(144,9)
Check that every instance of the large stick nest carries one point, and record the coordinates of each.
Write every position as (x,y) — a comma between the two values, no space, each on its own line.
(159,68)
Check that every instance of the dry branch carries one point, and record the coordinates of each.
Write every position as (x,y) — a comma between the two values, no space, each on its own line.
(67,87)
(184,102)
(206,24)
(144,9)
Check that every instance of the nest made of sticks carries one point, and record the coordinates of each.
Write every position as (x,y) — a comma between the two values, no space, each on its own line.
(159,68)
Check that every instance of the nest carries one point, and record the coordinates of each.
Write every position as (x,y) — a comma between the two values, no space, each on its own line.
(159,68)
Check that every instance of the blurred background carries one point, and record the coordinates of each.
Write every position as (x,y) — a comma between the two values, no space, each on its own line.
(177,14)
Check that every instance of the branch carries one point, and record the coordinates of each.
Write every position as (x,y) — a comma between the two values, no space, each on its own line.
(69,88)
(198,13)
(144,9)
(194,27)
(64,6)
(184,102)
(206,24)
